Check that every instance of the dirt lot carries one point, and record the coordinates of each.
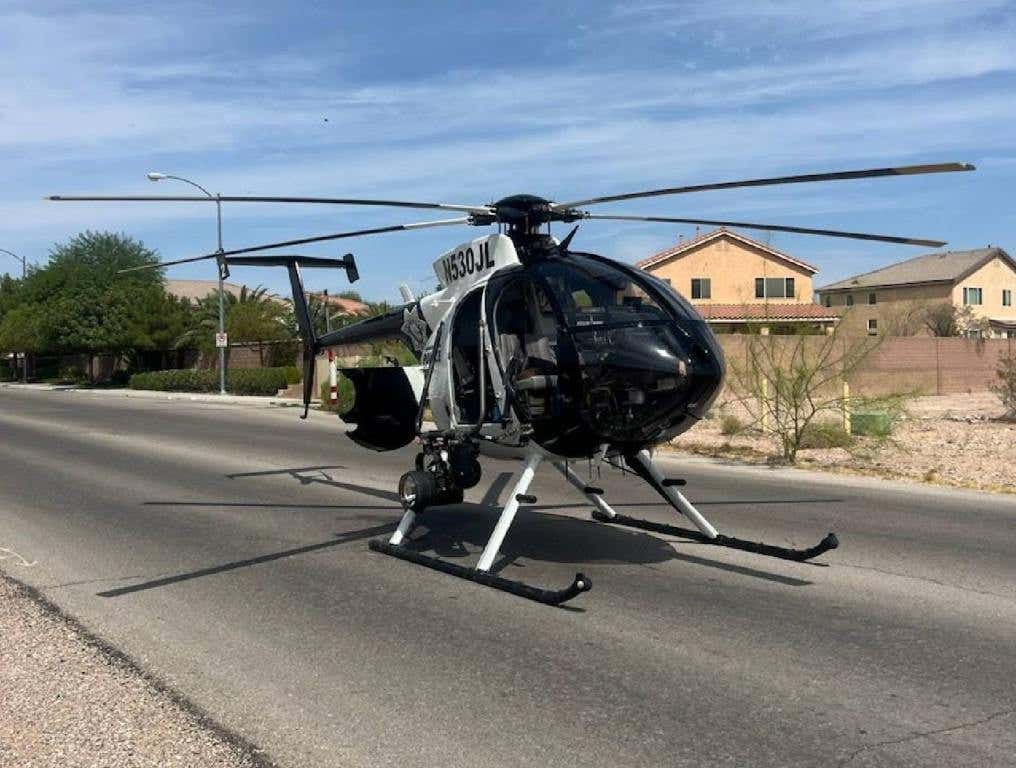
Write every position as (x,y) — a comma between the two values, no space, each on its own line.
(957,440)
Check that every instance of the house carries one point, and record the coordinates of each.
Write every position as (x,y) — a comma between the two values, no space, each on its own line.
(195,290)
(342,305)
(894,299)
(738,284)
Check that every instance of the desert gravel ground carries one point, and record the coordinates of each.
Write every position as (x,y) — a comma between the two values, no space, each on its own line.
(66,700)
(956,440)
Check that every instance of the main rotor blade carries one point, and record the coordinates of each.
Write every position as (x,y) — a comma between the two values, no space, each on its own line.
(305,240)
(775,228)
(310,262)
(904,170)
(355,233)
(260,199)
(162,264)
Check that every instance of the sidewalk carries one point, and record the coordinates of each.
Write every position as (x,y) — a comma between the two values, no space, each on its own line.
(193,397)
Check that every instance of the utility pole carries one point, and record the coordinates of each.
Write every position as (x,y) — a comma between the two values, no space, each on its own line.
(223,269)
(24,355)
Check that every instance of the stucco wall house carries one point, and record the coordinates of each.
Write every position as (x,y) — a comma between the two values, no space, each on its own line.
(738,283)
(894,299)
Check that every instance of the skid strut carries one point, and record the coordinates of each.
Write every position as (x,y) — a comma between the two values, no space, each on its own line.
(481,573)
(642,464)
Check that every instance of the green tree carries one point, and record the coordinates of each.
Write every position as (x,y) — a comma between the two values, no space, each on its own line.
(79,302)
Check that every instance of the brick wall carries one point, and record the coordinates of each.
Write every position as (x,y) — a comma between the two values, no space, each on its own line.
(929,365)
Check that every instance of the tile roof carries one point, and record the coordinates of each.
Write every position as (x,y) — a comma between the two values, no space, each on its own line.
(744,312)
(940,267)
(345,305)
(686,245)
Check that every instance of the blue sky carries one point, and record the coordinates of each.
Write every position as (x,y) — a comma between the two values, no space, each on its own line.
(464,103)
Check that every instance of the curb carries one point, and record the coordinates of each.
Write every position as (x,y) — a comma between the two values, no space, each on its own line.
(149,394)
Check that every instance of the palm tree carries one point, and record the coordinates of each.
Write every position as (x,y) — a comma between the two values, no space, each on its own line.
(251,315)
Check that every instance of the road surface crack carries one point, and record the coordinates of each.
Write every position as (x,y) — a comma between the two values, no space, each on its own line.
(923,734)
(926,579)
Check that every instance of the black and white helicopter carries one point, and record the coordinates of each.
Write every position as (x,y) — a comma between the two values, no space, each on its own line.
(535,351)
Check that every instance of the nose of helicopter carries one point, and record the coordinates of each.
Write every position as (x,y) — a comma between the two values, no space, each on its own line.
(708,371)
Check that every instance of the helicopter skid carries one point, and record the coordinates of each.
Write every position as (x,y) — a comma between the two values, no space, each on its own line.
(580,584)
(755,547)
(643,465)
(481,574)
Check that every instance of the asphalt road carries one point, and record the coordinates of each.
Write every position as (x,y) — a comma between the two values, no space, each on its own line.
(225,549)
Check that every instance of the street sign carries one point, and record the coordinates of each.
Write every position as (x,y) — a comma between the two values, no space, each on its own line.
(221,340)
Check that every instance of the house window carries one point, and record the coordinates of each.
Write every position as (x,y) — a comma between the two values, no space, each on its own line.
(827,300)
(774,288)
(1006,297)
(872,299)
(850,299)
(972,296)
(701,288)
(873,327)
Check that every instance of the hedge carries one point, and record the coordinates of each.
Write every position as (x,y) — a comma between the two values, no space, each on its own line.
(241,381)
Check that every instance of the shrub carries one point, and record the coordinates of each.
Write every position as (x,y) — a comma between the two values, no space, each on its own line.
(825,434)
(731,425)
(177,380)
(1006,387)
(346,395)
(243,381)
(293,375)
(256,381)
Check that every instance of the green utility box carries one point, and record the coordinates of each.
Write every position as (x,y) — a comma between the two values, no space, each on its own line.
(875,424)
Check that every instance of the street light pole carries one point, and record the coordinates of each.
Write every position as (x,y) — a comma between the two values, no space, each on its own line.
(24,262)
(24,355)
(155,176)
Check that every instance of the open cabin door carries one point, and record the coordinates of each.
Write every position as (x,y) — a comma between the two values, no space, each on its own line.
(474,383)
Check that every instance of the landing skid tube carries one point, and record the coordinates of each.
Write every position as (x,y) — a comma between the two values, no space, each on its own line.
(755,547)
(642,464)
(481,573)
(546,596)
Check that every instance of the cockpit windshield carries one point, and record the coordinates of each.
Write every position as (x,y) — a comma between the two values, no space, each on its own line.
(593,294)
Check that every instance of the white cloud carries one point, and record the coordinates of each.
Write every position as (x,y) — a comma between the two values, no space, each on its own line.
(90,101)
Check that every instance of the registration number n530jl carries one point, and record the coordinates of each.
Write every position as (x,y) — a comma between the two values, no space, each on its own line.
(467,261)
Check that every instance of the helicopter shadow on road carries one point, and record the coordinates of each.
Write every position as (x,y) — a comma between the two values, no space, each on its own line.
(537,535)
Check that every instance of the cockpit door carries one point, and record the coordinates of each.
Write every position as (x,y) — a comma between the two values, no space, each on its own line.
(522,326)
(472,390)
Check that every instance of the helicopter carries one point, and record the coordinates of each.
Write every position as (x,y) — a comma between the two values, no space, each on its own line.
(533,351)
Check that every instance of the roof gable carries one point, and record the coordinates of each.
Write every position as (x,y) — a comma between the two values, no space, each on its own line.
(700,240)
(938,267)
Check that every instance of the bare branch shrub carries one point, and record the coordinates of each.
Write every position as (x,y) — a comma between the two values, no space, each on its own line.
(785,382)
(1006,387)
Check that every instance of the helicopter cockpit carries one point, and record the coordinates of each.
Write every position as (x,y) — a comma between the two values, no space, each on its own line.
(595,352)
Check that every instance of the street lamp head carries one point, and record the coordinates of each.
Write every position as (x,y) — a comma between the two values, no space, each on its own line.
(155,176)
